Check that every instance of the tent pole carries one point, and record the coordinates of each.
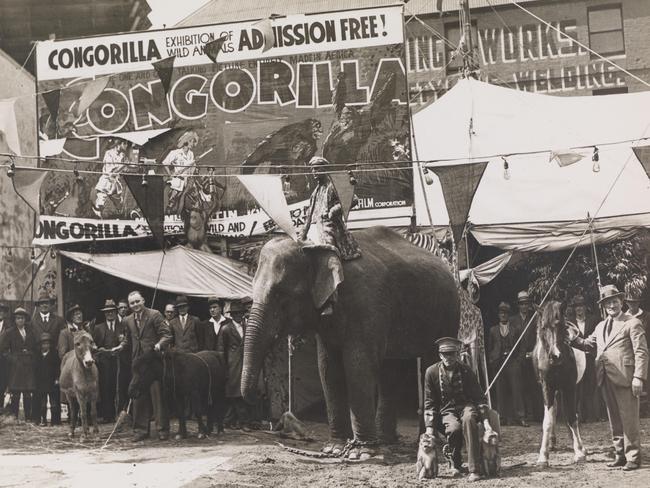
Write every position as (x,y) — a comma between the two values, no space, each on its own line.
(593,248)
(155,290)
(290,361)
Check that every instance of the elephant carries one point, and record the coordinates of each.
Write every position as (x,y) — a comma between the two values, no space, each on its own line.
(396,300)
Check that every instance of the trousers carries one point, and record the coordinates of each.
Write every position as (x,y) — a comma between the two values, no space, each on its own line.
(463,424)
(150,404)
(623,412)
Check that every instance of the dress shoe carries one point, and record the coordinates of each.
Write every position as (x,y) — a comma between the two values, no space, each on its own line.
(455,473)
(630,466)
(163,436)
(474,477)
(617,463)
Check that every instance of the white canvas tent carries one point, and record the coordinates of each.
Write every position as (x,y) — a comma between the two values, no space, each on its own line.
(542,207)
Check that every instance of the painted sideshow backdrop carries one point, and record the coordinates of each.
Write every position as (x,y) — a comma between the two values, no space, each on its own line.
(331,85)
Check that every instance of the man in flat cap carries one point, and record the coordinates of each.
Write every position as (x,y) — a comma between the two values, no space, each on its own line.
(327,238)
(503,337)
(621,349)
(107,337)
(454,400)
(186,329)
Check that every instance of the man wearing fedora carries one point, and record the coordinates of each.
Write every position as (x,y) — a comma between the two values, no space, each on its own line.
(21,345)
(453,400)
(74,323)
(186,329)
(45,321)
(107,337)
(531,389)
(633,300)
(503,337)
(621,350)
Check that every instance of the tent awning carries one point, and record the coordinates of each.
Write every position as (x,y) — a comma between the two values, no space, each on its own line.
(541,206)
(182,271)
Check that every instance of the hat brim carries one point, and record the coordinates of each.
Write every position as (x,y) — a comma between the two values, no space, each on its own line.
(615,295)
(107,309)
(449,349)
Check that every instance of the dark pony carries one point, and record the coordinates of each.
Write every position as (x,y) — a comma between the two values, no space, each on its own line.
(557,372)
(194,379)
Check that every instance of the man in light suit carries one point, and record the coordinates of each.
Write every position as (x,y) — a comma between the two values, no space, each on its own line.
(621,369)
(146,331)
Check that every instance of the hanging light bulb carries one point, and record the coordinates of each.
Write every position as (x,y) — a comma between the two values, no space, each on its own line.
(33,256)
(506,169)
(52,253)
(596,159)
(144,183)
(77,177)
(286,183)
(353,180)
(427,176)
(11,170)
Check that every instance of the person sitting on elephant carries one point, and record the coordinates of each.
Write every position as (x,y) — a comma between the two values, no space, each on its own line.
(326,234)
(453,399)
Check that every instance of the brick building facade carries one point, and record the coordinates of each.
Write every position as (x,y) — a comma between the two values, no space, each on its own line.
(516,50)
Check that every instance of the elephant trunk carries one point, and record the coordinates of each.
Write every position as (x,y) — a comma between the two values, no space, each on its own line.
(255,345)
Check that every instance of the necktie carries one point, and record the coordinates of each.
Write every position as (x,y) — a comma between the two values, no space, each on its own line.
(137,320)
(110,326)
(609,328)
(22,333)
(183,317)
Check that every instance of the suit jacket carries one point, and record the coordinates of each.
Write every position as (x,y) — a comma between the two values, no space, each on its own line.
(591,321)
(152,331)
(21,358)
(54,326)
(213,341)
(106,338)
(234,350)
(645,321)
(501,345)
(190,338)
(623,355)
(437,392)
(527,344)
(47,371)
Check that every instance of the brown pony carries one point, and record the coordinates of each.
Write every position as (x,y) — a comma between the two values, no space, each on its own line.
(557,372)
(78,382)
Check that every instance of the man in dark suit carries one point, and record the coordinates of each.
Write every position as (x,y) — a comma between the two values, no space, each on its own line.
(46,378)
(621,350)
(186,329)
(532,391)
(106,336)
(589,399)
(124,362)
(453,399)
(5,325)
(45,321)
(214,328)
(239,412)
(503,337)
(632,300)
(146,331)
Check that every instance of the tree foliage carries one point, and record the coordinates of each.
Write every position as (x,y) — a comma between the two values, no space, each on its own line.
(622,263)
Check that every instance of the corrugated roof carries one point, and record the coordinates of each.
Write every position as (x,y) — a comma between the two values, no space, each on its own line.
(217,11)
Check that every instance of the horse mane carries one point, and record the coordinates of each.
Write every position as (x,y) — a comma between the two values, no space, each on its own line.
(551,318)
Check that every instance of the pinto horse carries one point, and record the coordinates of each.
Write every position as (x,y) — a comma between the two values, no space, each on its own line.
(556,370)
(198,378)
(79,382)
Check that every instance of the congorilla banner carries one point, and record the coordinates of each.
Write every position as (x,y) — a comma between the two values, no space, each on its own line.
(331,85)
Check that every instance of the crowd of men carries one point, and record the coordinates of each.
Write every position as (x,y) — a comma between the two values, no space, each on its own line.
(517,392)
(32,347)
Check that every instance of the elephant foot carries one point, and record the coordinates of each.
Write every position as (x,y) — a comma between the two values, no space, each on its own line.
(356,450)
(333,447)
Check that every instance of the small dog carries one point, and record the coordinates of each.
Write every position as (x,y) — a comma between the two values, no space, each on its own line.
(427,462)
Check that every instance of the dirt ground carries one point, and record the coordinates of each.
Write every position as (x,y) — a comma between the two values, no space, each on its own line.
(44,456)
